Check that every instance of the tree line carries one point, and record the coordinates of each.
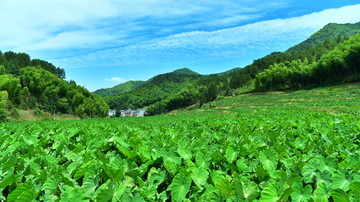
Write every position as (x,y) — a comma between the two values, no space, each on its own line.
(42,87)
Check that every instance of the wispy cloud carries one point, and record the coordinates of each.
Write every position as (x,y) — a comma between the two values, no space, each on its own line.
(272,35)
(78,24)
(117,80)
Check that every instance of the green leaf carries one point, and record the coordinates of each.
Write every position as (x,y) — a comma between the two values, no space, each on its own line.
(242,167)
(179,187)
(269,159)
(341,180)
(301,193)
(7,180)
(309,170)
(340,195)
(329,164)
(90,181)
(322,192)
(355,189)
(275,192)
(231,154)
(300,143)
(110,190)
(73,194)
(202,160)
(24,192)
(199,176)
(246,191)
(50,184)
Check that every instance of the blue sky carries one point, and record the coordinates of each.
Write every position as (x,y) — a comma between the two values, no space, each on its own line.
(101,43)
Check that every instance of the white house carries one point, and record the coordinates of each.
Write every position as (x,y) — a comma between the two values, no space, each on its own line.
(112,112)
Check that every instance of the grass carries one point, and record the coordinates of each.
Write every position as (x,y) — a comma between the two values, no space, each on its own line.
(342,99)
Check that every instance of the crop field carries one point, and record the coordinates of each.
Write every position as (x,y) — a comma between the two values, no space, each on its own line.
(279,146)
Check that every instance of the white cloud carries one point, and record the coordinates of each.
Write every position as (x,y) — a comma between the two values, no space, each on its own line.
(272,35)
(117,80)
(44,25)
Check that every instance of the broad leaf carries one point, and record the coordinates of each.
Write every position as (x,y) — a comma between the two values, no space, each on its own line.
(309,171)
(340,195)
(322,192)
(341,180)
(269,159)
(246,191)
(179,187)
(231,154)
(301,193)
(199,176)
(24,192)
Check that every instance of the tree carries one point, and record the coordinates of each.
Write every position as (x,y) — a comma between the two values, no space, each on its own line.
(3,105)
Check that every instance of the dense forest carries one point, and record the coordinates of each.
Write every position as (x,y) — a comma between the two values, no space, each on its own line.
(39,85)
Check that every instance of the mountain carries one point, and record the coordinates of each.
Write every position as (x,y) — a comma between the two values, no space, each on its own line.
(121,88)
(154,90)
(186,71)
(330,32)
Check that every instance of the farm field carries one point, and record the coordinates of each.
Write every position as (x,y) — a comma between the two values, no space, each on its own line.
(277,146)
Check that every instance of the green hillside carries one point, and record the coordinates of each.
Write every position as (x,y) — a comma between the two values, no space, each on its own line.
(121,88)
(154,90)
(332,31)
(39,86)
(186,71)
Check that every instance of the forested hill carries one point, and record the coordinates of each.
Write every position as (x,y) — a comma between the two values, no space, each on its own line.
(40,86)
(155,89)
(121,88)
(331,31)
(185,71)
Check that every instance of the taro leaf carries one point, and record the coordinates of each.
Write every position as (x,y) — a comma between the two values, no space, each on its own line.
(231,154)
(50,184)
(138,198)
(7,180)
(355,189)
(73,194)
(199,176)
(242,167)
(9,163)
(300,143)
(329,164)
(224,187)
(217,195)
(216,176)
(184,153)
(301,193)
(340,195)
(275,191)
(293,178)
(322,192)
(155,177)
(246,191)
(179,187)
(109,190)
(90,180)
(324,177)
(269,160)
(171,160)
(341,180)
(113,173)
(309,170)
(24,192)
(202,160)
